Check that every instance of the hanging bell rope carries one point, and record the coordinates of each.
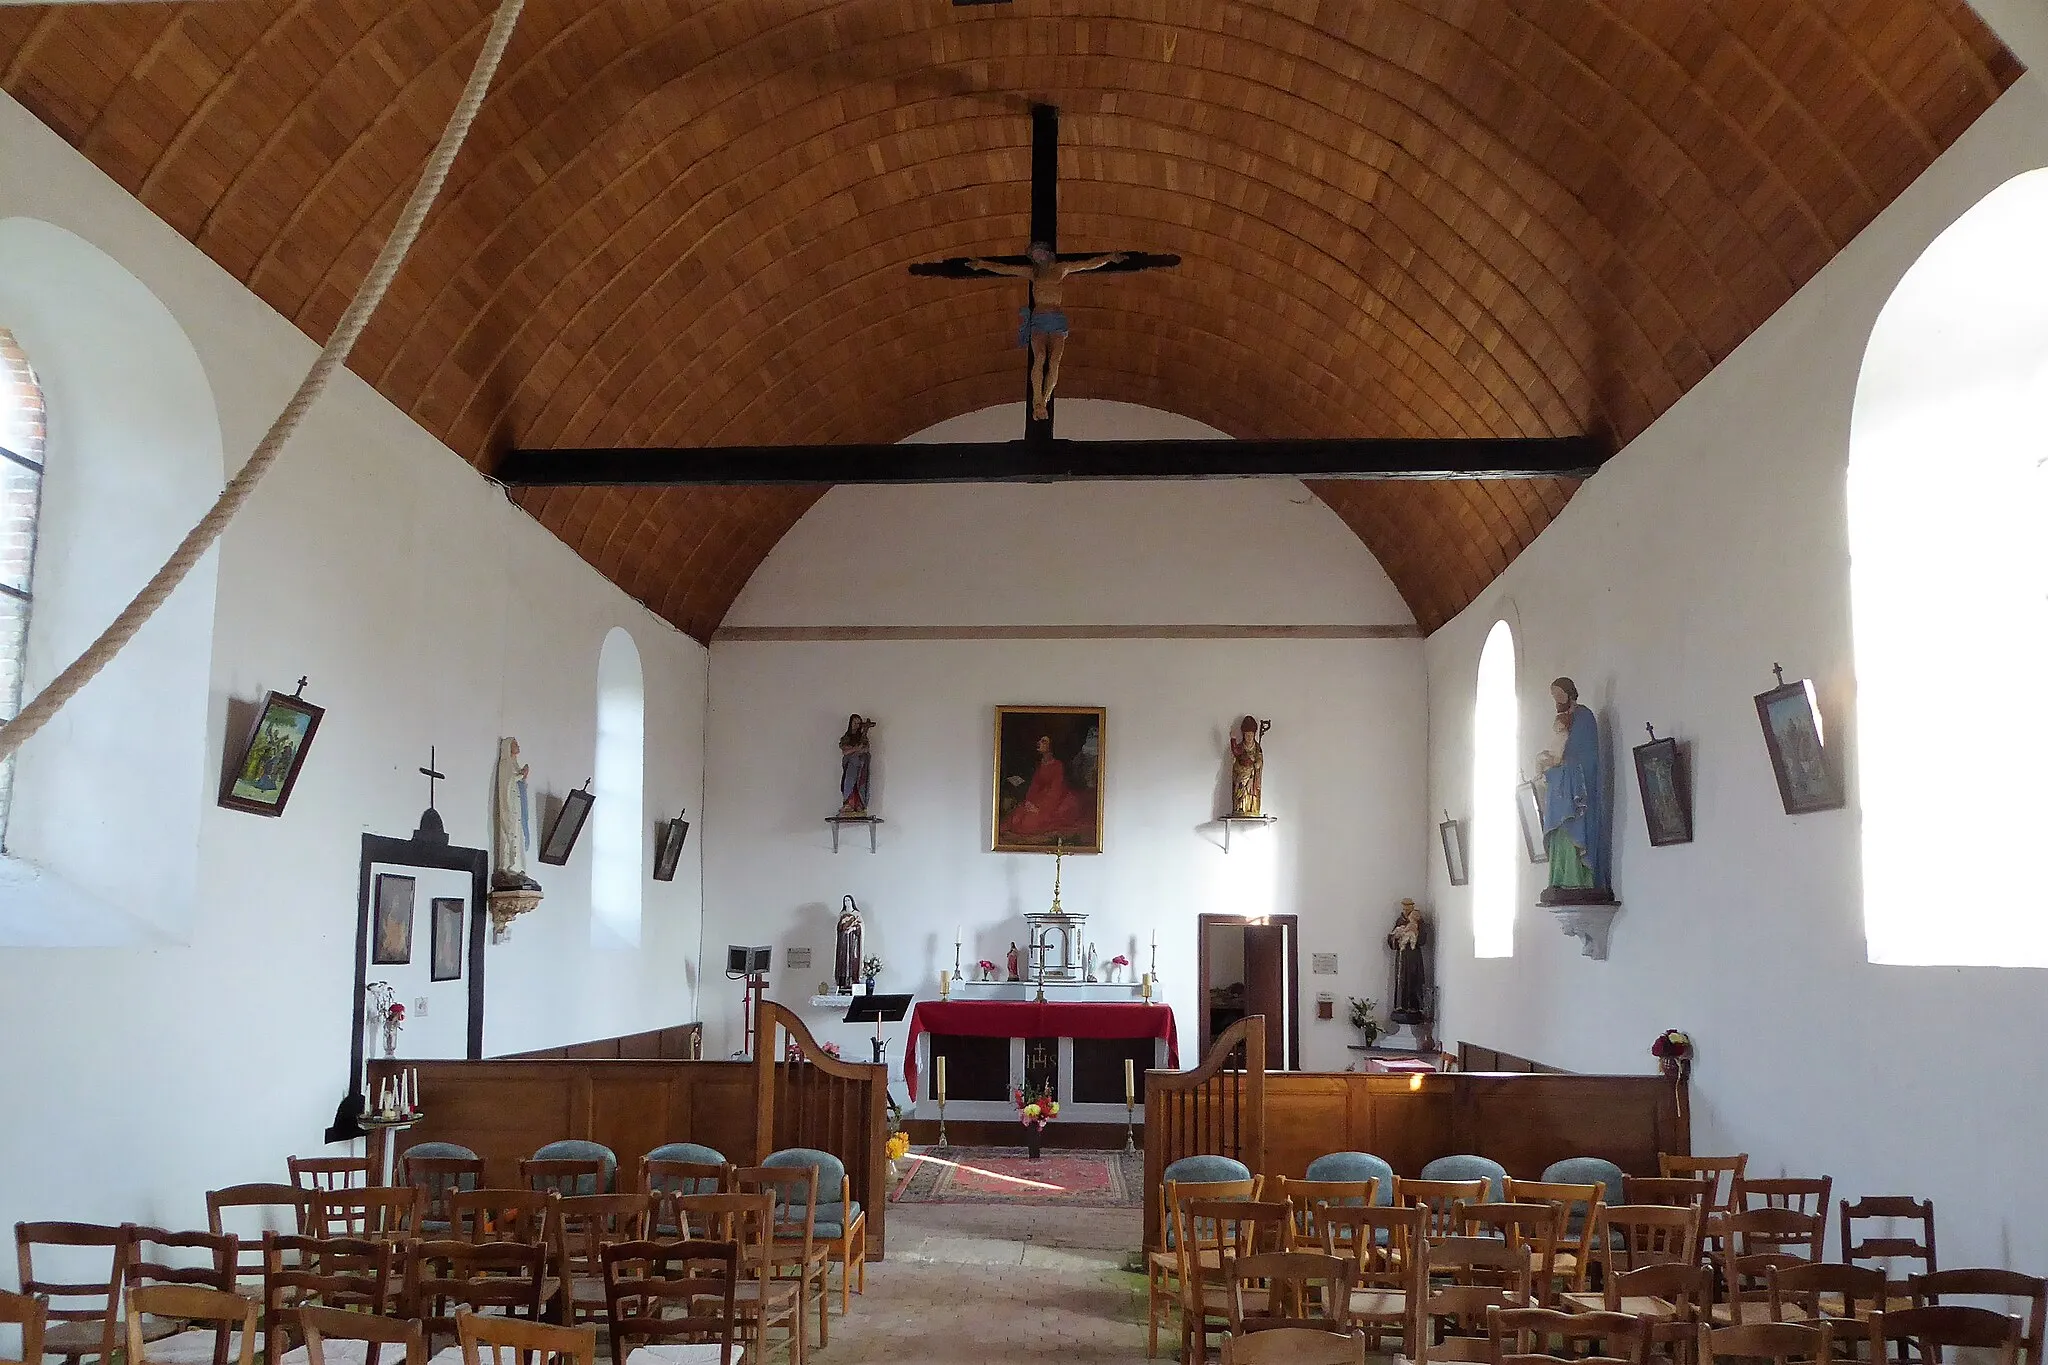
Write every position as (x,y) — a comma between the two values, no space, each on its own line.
(369,294)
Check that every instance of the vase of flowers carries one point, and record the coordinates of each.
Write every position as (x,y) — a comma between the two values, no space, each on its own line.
(1035,1108)
(1365,1020)
(1116,967)
(871,969)
(387,1012)
(1673,1051)
(988,969)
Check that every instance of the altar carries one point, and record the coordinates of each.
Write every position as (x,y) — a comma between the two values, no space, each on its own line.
(1077,1047)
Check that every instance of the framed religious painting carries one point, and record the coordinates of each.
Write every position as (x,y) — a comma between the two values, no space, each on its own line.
(449,940)
(1048,780)
(1529,814)
(668,848)
(1666,786)
(1453,835)
(391,920)
(1807,778)
(560,840)
(262,781)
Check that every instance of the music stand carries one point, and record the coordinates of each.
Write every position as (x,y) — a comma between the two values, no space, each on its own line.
(878,1010)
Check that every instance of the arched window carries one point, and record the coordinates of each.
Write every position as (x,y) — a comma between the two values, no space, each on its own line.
(21,500)
(1495,847)
(616,834)
(1948,501)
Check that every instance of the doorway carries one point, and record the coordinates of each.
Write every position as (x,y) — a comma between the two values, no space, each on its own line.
(1249,965)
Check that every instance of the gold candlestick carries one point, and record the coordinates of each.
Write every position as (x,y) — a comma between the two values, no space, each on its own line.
(942,1102)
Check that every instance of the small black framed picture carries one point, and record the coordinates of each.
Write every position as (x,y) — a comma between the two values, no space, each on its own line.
(1666,785)
(560,840)
(1529,813)
(391,920)
(668,849)
(261,783)
(1453,835)
(1807,778)
(448,938)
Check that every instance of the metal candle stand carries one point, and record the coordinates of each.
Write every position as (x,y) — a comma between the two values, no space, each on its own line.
(943,1144)
(1130,1109)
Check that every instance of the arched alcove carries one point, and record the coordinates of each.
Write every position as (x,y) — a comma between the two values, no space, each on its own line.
(104,832)
(1948,501)
(616,820)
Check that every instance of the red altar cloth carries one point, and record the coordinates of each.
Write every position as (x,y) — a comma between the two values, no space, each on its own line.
(1029,1019)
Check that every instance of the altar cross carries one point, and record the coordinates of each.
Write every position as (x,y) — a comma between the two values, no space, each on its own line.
(432,774)
(1044,330)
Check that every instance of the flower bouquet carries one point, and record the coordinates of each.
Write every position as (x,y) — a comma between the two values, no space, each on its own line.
(1035,1108)
(988,969)
(389,1014)
(1365,1020)
(1673,1051)
(1117,965)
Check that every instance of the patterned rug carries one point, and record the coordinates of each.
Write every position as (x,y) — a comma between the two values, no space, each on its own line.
(1004,1175)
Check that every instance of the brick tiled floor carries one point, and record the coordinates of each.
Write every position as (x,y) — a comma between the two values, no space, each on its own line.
(992,1284)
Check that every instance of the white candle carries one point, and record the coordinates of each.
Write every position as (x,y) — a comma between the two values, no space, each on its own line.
(1146,986)
(415,1088)
(1130,1083)
(942,1078)
(945,981)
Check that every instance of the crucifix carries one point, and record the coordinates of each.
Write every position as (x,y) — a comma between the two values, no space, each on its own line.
(431,774)
(1043,324)
(431,830)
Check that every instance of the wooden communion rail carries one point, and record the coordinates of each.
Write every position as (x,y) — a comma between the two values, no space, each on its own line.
(1278,1122)
(507,1108)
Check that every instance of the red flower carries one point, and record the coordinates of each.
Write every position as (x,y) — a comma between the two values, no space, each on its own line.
(396,1014)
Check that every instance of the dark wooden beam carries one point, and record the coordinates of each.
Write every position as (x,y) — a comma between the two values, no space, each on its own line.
(1572,457)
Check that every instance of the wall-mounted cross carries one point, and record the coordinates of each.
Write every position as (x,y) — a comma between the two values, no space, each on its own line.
(432,774)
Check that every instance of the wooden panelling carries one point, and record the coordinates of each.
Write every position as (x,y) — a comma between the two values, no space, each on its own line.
(1474,1057)
(678,1042)
(689,224)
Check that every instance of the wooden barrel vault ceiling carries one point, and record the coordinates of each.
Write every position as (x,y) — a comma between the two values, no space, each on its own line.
(687,222)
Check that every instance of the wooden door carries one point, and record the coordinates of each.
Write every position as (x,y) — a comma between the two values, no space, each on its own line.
(1268,958)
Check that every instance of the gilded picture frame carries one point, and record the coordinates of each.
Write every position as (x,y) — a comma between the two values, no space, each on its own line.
(1046,785)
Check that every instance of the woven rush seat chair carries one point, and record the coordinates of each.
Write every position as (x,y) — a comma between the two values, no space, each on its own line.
(840,1223)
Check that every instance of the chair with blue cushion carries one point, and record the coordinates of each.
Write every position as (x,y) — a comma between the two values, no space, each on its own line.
(681,1168)
(1355,1166)
(571,1167)
(840,1222)
(1468,1167)
(1195,1177)
(439,1169)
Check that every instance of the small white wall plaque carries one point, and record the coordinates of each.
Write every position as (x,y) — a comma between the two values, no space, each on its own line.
(1323,964)
(797,958)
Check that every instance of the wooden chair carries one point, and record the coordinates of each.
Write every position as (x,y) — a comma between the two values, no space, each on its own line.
(489,1340)
(1439,1199)
(586,1225)
(1782,1343)
(31,1315)
(326,1174)
(231,1317)
(335,1336)
(1639,1235)
(1578,1219)
(1933,1287)
(1722,1174)
(376,1211)
(445,1279)
(1304,1196)
(80,1318)
(657,1292)
(793,1245)
(1467,1278)
(1885,1208)
(282,1208)
(1818,1290)
(1532,1227)
(659,1176)
(839,1225)
(1744,1270)
(1384,1245)
(1222,1229)
(213,1263)
(761,1301)
(1519,1336)
(504,1216)
(1929,1330)
(1675,1298)
(437,1178)
(564,1175)
(308,1274)
(1677,1191)
(1285,1289)
(1295,1346)
(1812,1198)
(1162,1268)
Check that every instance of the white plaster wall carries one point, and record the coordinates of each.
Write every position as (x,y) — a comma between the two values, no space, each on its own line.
(1715,545)
(427,611)
(1344,759)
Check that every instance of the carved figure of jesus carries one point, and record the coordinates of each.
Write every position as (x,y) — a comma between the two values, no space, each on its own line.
(1043,324)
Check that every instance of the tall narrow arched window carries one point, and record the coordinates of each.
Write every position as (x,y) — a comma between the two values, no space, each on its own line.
(1948,501)
(21,499)
(1494,773)
(616,835)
